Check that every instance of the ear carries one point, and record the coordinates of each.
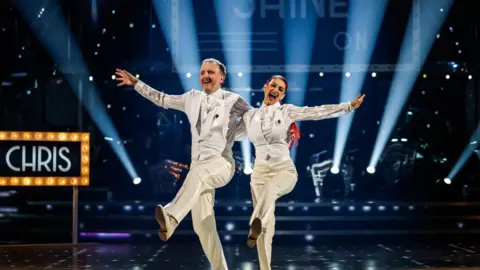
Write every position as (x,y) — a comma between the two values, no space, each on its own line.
(222,79)
(265,87)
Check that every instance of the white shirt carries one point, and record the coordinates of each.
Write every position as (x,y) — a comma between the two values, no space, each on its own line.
(267,126)
(213,118)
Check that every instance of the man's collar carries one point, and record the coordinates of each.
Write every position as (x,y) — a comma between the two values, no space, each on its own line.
(216,94)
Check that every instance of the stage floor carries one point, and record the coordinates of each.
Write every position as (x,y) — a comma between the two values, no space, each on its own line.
(190,256)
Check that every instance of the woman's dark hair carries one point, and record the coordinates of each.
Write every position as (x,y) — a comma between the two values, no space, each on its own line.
(281,78)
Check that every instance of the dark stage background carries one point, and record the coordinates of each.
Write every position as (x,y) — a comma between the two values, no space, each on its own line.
(54,80)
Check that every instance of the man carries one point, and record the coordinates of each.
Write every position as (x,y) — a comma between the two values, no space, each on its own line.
(212,114)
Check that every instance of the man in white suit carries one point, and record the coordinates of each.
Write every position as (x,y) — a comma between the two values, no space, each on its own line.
(212,114)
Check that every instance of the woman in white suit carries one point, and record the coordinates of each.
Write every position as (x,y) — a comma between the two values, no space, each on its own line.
(274,173)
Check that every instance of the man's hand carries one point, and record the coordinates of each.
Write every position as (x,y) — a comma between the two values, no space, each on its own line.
(358,101)
(125,77)
(294,134)
(291,133)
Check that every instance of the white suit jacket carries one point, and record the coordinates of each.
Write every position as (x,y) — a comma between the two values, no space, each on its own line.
(267,126)
(217,133)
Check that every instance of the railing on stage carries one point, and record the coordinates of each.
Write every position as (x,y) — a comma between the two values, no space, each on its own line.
(296,222)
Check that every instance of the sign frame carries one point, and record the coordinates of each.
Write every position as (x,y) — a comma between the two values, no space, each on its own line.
(82,137)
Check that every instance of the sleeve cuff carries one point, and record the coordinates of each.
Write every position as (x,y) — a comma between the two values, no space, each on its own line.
(350,107)
(139,85)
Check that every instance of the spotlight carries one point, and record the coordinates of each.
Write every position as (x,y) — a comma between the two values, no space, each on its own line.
(240,74)
(227,237)
(230,226)
(366,208)
(247,170)
(113,77)
(189,75)
(371,170)
(90,78)
(153,26)
(447,76)
(336,208)
(347,74)
(447,181)
(334,170)
(309,238)
(424,76)
(131,25)
(137,181)
(469,77)
(374,74)
(321,74)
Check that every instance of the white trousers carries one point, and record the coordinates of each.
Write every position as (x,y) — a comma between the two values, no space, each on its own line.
(269,182)
(198,195)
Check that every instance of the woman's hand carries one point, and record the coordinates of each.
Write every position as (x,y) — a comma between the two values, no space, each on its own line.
(358,101)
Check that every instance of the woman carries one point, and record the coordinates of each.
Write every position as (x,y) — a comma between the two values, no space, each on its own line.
(274,173)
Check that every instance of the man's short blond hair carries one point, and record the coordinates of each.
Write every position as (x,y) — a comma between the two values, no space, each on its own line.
(220,65)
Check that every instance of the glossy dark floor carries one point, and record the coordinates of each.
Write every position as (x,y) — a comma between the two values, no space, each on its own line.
(190,256)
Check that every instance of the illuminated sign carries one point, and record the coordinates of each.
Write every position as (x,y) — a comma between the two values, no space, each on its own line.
(273,25)
(44,158)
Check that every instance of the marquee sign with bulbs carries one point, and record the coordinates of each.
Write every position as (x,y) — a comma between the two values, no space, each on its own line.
(44,158)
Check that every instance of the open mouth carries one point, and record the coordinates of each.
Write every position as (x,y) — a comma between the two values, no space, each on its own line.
(206,81)
(272,97)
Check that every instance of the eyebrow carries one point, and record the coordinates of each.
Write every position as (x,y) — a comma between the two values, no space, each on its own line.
(279,87)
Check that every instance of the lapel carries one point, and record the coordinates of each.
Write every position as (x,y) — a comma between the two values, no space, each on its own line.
(195,113)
